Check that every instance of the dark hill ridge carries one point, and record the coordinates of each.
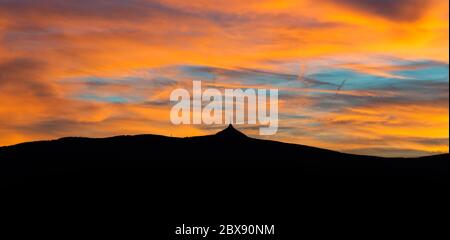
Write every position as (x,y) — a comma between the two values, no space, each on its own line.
(231,132)
(140,185)
(229,148)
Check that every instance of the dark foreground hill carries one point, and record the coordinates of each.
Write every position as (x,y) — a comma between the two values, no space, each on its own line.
(144,186)
(228,149)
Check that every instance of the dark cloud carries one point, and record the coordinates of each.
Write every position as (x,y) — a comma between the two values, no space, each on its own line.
(58,127)
(108,9)
(136,10)
(386,139)
(140,10)
(156,103)
(391,152)
(130,81)
(400,10)
(62,127)
(233,20)
(23,76)
(162,82)
(430,141)
(425,94)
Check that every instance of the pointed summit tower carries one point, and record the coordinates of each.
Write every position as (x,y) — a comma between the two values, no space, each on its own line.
(230,132)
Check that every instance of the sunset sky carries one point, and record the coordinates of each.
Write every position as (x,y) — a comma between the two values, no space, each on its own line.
(106,67)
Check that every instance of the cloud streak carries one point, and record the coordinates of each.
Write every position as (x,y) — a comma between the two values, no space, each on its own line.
(399,10)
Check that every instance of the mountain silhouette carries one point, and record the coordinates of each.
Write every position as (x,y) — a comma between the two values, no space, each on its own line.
(135,185)
(228,149)
(231,133)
